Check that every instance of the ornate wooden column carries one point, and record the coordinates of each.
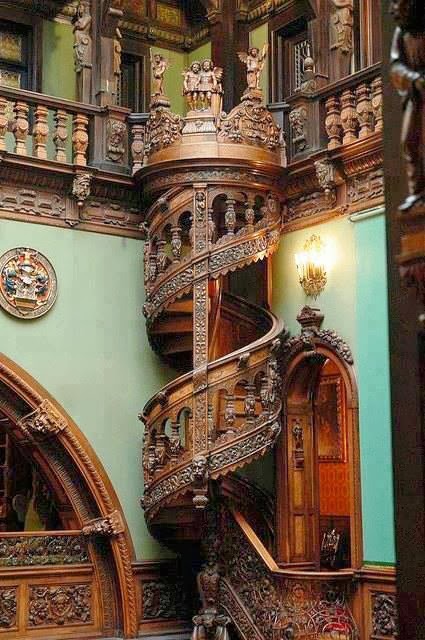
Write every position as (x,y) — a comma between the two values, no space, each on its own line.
(406,265)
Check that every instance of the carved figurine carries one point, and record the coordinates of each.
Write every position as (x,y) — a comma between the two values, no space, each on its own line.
(408,76)
(342,21)
(254,61)
(210,87)
(191,82)
(82,37)
(159,66)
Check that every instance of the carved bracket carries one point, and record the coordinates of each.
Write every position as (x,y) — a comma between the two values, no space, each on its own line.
(111,525)
(44,421)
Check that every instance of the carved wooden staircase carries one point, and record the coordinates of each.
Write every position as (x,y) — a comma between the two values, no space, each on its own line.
(215,190)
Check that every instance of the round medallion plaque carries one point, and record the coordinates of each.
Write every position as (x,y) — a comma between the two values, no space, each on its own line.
(28,284)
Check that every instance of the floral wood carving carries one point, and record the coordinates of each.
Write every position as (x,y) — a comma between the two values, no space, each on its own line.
(384,616)
(59,605)
(8,607)
(298,122)
(165,600)
(163,129)
(44,421)
(251,123)
(23,551)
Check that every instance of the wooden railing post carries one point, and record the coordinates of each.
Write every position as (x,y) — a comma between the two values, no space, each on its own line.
(80,139)
(60,135)
(20,127)
(40,132)
(4,122)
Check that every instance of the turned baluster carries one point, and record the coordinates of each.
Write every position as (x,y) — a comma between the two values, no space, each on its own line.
(40,131)
(20,127)
(377,100)
(250,403)
(348,116)
(249,214)
(176,243)
(161,258)
(364,110)
(80,139)
(230,217)
(60,135)
(230,414)
(175,445)
(137,146)
(4,122)
(333,122)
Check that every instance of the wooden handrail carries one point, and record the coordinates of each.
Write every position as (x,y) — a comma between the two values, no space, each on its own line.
(33,97)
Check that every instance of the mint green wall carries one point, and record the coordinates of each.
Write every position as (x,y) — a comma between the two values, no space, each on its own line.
(58,60)
(257,38)
(202,52)
(91,352)
(374,389)
(173,83)
(354,305)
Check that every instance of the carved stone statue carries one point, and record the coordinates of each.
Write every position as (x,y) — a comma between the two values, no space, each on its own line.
(82,36)
(342,22)
(408,76)
(192,79)
(159,66)
(254,61)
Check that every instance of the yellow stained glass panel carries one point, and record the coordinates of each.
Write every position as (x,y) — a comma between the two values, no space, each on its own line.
(168,15)
(10,78)
(11,46)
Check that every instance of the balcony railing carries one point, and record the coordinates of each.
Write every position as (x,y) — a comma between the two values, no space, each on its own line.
(62,131)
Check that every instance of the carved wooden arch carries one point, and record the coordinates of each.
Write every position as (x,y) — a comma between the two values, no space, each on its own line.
(38,419)
(303,357)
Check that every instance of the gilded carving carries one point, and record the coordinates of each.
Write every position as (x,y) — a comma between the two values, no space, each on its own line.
(159,66)
(59,605)
(28,284)
(254,60)
(44,421)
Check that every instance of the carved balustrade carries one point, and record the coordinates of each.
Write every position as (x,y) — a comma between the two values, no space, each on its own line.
(333,116)
(33,125)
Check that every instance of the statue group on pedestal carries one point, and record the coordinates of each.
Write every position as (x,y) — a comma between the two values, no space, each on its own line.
(202,86)
(202,82)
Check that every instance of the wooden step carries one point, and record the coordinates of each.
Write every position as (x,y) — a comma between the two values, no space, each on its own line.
(177,344)
(175,324)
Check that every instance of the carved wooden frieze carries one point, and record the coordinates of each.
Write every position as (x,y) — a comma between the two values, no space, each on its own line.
(23,551)
(44,421)
(28,284)
(51,605)
(8,608)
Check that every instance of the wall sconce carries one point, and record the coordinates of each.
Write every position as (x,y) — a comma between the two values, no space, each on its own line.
(312,265)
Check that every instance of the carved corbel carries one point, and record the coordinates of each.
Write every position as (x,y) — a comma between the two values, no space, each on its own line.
(81,187)
(200,478)
(44,421)
(110,525)
(326,177)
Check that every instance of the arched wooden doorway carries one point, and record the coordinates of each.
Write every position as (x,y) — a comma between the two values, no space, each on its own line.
(318,466)
(74,580)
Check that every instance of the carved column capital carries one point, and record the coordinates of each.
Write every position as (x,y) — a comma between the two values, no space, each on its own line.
(110,525)
(44,421)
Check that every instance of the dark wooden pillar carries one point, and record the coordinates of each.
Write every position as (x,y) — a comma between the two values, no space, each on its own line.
(407,352)
(229,34)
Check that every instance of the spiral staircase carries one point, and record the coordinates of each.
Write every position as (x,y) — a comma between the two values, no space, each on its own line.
(213,188)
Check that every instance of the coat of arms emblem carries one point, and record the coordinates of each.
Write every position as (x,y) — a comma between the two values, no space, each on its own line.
(28,283)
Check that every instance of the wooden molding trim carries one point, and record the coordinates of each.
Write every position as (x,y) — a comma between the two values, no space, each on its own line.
(26,391)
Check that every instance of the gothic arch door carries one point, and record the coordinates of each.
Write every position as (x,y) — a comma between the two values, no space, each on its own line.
(65,552)
(318,483)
